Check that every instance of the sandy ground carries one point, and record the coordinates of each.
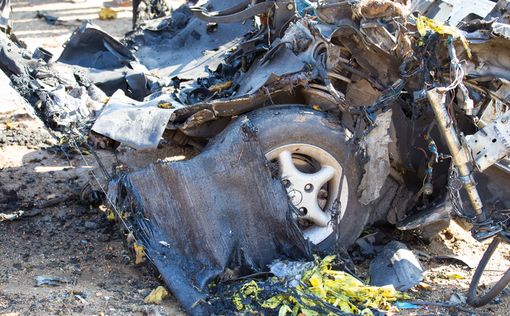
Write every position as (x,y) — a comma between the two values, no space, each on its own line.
(38,33)
(58,236)
(68,240)
(442,280)
(76,242)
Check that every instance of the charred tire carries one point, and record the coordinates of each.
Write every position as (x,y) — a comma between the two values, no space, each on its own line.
(473,298)
(283,125)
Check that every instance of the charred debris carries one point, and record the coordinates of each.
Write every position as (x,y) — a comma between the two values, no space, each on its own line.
(407,97)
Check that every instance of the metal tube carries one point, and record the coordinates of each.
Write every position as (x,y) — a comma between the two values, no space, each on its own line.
(460,158)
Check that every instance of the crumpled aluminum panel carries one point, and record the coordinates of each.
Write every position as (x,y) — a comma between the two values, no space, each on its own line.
(136,124)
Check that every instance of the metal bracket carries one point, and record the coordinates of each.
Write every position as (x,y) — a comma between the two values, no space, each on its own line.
(492,143)
(238,13)
(283,12)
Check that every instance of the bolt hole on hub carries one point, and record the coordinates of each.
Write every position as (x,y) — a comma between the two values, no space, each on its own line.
(312,178)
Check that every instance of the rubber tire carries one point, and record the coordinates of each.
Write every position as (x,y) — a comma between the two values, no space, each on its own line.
(473,298)
(282,125)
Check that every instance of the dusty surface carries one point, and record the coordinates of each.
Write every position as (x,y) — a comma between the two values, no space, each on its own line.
(447,278)
(37,32)
(68,240)
(78,243)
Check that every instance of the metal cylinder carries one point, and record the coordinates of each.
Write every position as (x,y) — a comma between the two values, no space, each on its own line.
(460,158)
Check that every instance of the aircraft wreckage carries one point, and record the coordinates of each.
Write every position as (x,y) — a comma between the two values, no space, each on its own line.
(313,119)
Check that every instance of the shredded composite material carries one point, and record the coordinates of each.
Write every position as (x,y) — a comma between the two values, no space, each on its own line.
(321,290)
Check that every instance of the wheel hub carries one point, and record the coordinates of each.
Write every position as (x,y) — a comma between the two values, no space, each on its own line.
(310,175)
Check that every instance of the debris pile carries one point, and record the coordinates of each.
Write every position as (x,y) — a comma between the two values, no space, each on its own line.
(313,120)
(312,288)
(65,99)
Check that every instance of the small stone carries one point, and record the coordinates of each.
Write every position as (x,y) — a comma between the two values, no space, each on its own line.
(91,225)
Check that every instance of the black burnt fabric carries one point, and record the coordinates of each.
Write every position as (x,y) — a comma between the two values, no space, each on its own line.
(221,209)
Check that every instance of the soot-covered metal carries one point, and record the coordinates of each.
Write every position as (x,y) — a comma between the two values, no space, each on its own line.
(222,210)
(372,112)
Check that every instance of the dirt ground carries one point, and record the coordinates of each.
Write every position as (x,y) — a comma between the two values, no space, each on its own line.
(37,32)
(59,236)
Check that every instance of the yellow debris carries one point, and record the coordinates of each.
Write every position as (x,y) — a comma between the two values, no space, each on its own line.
(250,289)
(139,255)
(424,24)
(9,125)
(156,296)
(110,216)
(454,276)
(220,86)
(107,14)
(322,285)
(166,105)
(424,286)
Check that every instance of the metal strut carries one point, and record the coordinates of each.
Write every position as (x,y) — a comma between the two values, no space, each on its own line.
(282,12)
(459,156)
(461,159)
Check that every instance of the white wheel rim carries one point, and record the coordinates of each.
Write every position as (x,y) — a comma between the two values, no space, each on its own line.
(303,188)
